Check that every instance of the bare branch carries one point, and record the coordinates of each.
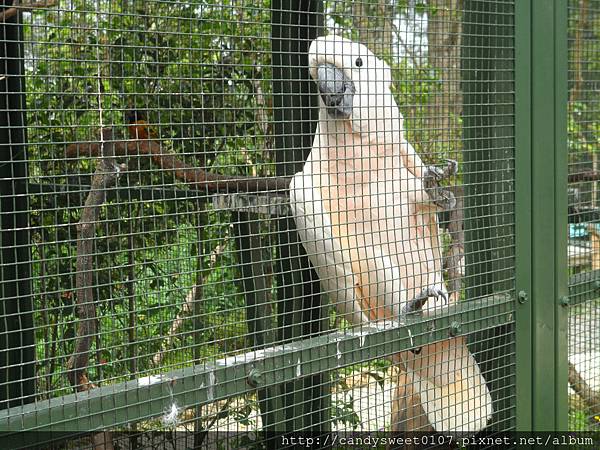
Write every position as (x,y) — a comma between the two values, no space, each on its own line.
(185,310)
(105,177)
(454,258)
(408,52)
(196,177)
(262,117)
(452,219)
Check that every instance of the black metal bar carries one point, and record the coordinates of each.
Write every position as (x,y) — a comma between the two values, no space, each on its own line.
(254,260)
(294,24)
(17,338)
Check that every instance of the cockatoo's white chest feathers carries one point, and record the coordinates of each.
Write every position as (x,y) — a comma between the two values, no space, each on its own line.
(376,117)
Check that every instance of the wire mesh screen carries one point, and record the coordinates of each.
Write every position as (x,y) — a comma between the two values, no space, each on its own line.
(252,218)
(584,243)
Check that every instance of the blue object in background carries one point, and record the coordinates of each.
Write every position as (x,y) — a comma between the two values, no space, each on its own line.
(577,230)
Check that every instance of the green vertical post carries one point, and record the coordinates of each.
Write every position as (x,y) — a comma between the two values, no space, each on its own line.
(294,24)
(523,253)
(541,96)
(17,350)
(561,319)
(487,68)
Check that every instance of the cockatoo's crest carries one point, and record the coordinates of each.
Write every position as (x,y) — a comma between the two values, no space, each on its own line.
(366,102)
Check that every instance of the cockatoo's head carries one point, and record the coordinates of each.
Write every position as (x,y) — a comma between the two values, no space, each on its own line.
(355,85)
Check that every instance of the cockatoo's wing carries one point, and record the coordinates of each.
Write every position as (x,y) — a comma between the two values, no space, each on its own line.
(330,261)
(362,282)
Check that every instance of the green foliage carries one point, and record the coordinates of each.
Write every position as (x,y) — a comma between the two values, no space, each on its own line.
(344,412)
(194,69)
(579,421)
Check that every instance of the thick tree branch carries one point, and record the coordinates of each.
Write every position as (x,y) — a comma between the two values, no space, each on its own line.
(105,177)
(196,177)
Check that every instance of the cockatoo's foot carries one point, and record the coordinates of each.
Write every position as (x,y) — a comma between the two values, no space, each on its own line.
(438,174)
(443,198)
(451,168)
(417,303)
(433,176)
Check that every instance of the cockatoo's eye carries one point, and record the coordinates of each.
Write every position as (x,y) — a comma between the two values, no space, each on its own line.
(358,62)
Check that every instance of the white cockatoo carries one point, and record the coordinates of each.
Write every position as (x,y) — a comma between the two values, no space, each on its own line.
(370,229)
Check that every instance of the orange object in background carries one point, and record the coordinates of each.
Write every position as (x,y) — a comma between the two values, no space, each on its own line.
(138,126)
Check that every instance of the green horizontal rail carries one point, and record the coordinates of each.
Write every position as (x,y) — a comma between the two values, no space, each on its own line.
(584,287)
(148,397)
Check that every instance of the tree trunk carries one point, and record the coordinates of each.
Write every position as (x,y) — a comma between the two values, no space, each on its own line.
(444,28)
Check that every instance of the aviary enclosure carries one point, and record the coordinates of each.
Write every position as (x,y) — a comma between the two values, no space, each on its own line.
(159,285)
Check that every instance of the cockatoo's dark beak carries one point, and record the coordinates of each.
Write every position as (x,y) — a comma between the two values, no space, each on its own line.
(336,89)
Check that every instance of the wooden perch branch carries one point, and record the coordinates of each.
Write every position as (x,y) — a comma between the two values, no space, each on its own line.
(105,176)
(198,178)
(12,11)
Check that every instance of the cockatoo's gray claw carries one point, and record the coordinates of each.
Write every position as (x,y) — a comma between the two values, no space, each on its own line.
(417,303)
(444,295)
(432,177)
(451,169)
(444,199)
